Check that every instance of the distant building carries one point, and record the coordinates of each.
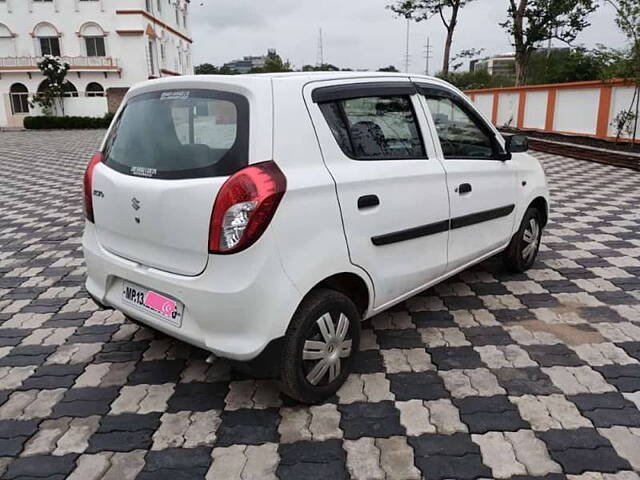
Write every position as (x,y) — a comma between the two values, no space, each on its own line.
(246,64)
(503,65)
(109,44)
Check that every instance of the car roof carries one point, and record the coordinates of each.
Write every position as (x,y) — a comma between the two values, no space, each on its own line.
(296,79)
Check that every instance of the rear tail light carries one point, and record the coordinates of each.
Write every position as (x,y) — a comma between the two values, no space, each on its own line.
(88,189)
(245,206)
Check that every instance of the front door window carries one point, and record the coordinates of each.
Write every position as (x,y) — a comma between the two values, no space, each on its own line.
(459,133)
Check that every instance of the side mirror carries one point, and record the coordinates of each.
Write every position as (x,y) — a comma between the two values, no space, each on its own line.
(516,144)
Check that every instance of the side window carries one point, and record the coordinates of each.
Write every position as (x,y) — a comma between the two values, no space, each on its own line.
(460,134)
(375,128)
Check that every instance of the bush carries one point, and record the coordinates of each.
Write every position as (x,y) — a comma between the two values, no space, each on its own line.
(67,123)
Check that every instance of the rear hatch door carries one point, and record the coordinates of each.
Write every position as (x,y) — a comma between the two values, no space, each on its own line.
(165,158)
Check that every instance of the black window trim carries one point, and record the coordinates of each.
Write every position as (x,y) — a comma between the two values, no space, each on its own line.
(499,154)
(339,93)
(350,91)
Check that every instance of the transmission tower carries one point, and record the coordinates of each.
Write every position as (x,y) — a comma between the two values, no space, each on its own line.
(407,58)
(320,55)
(427,56)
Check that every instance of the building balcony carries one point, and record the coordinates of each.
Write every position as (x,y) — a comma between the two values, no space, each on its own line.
(78,64)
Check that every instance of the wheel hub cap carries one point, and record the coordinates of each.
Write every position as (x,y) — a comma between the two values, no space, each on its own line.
(327,352)
(530,238)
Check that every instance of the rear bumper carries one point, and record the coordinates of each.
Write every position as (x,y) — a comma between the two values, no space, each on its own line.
(234,308)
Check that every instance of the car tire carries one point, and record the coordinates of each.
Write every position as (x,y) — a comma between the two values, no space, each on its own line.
(523,248)
(319,346)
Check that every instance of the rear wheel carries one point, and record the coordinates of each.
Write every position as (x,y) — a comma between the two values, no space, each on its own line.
(523,249)
(319,346)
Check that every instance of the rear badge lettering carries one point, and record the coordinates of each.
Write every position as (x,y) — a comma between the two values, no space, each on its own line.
(144,171)
(175,94)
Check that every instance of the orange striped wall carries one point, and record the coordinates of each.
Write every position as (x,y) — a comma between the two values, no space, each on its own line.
(601,116)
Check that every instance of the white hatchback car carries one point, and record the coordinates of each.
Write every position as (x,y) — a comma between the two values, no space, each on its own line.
(262,217)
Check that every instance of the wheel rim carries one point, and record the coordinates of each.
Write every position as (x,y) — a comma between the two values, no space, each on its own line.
(530,238)
(325,348)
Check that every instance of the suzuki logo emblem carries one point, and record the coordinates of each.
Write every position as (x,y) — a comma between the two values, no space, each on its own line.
(135,203)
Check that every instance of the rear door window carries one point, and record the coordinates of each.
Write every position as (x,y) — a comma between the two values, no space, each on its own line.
(180,134)
(375,128)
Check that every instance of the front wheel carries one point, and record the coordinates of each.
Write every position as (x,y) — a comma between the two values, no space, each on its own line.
(523,249)
(320,343)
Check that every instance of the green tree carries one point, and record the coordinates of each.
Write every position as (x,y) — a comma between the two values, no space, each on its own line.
(447,10)
(531,22)
(325,67)
(565,65)
(205,69)
(227,70)
(55,84)
(273,64)
(476,79)
(628,20)
(209,69)
(390,68)
(460,58)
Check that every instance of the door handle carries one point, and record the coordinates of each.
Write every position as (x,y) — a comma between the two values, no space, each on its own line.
(463,188)
(368,201)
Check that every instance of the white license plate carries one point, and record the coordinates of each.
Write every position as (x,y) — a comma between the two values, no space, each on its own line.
(157,304)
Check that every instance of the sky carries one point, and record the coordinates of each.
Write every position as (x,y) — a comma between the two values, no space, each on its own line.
(358,34)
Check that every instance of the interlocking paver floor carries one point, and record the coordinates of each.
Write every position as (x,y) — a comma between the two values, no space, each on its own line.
(490,375)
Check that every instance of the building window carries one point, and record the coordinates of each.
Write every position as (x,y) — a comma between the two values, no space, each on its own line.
(177,16)
(49,46)
(19,98)
(152,63)
(95,46)
(42,1)
(149,5)
(94,89)
(94,39)
(163,53)
(6,41)
(69,90)
(159,5)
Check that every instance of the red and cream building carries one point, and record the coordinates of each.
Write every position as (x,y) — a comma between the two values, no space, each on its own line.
(110,45)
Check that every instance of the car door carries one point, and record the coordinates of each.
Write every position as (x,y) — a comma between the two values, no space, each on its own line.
(391,188)
(481,178)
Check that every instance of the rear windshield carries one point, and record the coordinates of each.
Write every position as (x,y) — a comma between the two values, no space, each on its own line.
(180,134)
